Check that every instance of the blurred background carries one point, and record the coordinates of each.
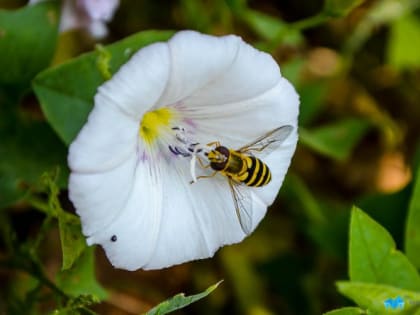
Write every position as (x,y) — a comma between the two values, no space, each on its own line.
(356,67)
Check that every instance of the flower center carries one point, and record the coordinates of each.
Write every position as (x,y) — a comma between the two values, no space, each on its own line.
(152,123)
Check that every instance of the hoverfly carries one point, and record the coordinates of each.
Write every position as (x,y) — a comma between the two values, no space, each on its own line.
(242,168)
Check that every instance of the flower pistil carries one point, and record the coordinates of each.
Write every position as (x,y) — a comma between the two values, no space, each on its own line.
(153,122)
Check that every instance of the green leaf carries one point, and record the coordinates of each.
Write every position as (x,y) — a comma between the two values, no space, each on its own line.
(73,242)
(180,301)
(402,50)
(346,311)
(266,26)
(27,150)
(412,231)
(271,28)
(389,210)
(27,41)
(337,139)
(338,8)
(373,297)
(80,279)
(66,99)
(373,257)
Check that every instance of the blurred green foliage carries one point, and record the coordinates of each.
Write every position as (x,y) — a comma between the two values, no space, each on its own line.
(33,46)
(355,65)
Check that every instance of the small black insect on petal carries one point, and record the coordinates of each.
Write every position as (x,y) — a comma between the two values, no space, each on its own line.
(113,238)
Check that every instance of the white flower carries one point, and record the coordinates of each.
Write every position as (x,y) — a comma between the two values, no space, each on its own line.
(130,182)
(91,15)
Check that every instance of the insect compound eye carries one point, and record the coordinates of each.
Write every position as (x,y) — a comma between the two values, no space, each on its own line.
(223,151)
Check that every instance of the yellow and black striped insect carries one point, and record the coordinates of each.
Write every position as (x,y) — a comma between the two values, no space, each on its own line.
(243,169)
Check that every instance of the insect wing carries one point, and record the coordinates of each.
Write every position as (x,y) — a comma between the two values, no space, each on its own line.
(269,142)
(243,205)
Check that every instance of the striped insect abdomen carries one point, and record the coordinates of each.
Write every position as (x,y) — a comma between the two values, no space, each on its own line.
(257,173)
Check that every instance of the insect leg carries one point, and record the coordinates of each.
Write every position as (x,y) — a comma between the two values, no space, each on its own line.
(205,176)
(202,163)
(216,143)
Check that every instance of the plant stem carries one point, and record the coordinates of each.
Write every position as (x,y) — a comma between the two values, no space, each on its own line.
(310,22)
(40,205)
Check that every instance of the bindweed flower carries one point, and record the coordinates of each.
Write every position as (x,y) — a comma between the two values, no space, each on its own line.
(91,15)
(131,164)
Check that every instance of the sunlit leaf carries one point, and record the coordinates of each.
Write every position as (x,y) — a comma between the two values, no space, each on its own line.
(412,232)
(374,297)
(346,311)
(337,139)
(80,279)
(402,49)
(373,257)
(180,301)
(27,41)
(66,99)
(337,8)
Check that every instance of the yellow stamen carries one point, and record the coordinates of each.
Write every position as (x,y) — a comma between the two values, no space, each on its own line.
(153,122)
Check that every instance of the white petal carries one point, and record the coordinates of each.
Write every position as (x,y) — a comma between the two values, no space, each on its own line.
(137,225)
(236,124)
(71,18)
(139,83)
(230,93)
(259,208)
(197,219)
(196,60)
(98,29)
(99,9)
(278,162)
(107,139)
(190,222)
(99,197)
(241,123)
(252,73)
